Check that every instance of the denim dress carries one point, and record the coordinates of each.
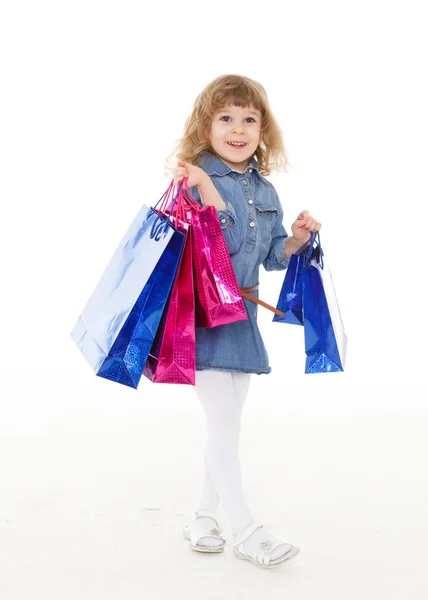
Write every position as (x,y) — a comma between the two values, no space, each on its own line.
(254,234)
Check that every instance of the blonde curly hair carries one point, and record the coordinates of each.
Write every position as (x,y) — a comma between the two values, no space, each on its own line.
(223,91)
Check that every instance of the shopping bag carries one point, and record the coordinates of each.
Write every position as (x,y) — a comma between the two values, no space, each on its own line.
(218,300)
(172,358)
(115,330)
(290,300)
(325,337)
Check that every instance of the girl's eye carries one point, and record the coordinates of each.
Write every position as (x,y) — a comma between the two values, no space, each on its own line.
(225,117)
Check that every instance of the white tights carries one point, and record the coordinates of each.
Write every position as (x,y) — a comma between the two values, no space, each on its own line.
(222,395)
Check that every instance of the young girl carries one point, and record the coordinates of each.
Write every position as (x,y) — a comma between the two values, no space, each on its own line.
(231,141)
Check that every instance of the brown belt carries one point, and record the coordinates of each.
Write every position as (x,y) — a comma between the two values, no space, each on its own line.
(245,294)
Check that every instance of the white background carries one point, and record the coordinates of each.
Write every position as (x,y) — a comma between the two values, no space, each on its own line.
(94,96)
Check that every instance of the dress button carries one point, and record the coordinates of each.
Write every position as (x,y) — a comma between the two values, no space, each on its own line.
(250,201)
(250,170)
(223,220)
(244,182)
(252,224)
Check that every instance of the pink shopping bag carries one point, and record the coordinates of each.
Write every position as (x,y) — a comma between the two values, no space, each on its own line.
(172,358)
(218,300)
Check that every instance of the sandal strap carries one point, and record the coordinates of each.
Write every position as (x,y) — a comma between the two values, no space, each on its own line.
(197,532)
(246,533)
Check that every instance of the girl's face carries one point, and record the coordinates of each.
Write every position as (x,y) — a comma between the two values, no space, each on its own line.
(236,124)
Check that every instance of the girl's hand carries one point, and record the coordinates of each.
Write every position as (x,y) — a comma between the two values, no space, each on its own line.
(196,176)
(303,225)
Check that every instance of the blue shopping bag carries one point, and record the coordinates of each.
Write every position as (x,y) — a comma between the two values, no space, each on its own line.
(116,329)
(290,300)
(325,338)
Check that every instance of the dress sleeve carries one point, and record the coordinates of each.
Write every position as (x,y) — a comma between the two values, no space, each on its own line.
(276,260)
(229,222)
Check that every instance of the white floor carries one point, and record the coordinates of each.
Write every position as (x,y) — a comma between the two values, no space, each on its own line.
(97,481)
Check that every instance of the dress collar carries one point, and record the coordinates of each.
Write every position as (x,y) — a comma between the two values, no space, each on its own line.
(213,165)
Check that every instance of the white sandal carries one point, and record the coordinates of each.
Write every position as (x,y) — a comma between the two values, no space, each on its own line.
(262,557)
(194,532)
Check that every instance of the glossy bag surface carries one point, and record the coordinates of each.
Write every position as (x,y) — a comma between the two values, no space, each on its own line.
(290,300)
(218,300)
(172,358)
(325,337)
(115,330)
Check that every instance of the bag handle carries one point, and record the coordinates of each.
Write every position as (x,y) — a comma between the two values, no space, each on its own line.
(315,238)
(188,198)
(167,199)
(308,244)
(176,206)
(321,260)
(167,194)
(177,209)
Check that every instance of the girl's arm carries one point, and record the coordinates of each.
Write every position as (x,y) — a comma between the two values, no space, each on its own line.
(207,195)
(210,196)
(291,246)
(283,245)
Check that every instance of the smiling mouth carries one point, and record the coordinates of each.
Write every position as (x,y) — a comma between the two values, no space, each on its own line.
(237,145)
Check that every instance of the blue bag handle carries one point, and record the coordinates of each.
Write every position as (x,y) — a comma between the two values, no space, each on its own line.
(315,238)
(161,198)
(306,245)
(321,251)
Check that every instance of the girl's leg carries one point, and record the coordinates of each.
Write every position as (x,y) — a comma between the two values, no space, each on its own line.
(222,396)
(217,394)
(241,382)
(210,500)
